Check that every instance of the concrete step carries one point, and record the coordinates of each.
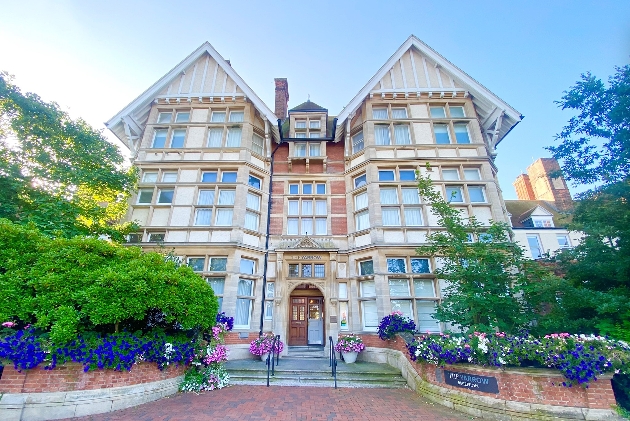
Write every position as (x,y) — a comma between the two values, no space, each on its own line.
(315,372)
(313,351)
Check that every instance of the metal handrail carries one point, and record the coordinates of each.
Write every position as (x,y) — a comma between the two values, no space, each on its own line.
(271,364)
(333,360)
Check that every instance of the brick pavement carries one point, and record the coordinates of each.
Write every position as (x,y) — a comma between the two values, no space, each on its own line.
(259,403)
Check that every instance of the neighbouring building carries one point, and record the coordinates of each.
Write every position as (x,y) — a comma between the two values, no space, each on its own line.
(539,218)
(306,223)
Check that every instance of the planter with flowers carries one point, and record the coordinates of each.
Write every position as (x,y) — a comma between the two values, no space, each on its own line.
(350,346)
(264,344)
(394,324)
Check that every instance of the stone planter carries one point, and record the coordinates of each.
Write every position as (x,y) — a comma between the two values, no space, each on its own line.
(350,357)
(263,357)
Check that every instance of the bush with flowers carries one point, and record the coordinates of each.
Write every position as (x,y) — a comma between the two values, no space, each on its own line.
(263,345)
(580,358)
(394,324)
(349,343)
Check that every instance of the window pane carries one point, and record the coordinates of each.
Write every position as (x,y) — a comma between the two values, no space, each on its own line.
(196,263)
(307,207)
(214,138)
(438,112)
(420,265)
(300,135)
(320,188)
(320,207)
(149,177)
(399,288)
(401,134)
(423,288)
(410,196)
(366,267)
(426,323)
(159,138)
(413,217)
(357,142)
(476,194)
(407,175)
(233,137)
(534,246)
(166,196)
(236,117)
(404,306)
(202,216)
(217,284)
(247,266)
(441,134)
(399,113)
(292,226)
(218,117)
(145,195)
(300,149)
(218,264)
(368,289)
(206,197)
(362,220)
(320,226)
(381,133)
(294,207)
(307,226)
(178,138)
(257,144)
(379,113)
(182,117)
(253,201)
(319,271)
(314,149)
(450,174)
(307,271)
(226,197)
(293,189)
(456,112)
(314,124)
(164,118)
(224,217)
(461,133)
(300,124)
(269,310)
(361,201)
(360,181)
(472,174)
(454,194)
(391,216)
(389,196)
(563,240)
(386,175)
(209,177)
(242,312)
(343,290)
(294,270)
(307,188)
(255,182)
(396,265)
(370,315)
(169,177)
(251,221)
(314,135)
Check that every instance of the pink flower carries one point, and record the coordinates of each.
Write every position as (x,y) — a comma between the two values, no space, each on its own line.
(8,324)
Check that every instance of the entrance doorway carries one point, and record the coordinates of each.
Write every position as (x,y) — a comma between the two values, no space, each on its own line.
(306,317)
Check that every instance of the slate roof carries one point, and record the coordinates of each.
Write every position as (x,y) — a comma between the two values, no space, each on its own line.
(309,106)
(522,209)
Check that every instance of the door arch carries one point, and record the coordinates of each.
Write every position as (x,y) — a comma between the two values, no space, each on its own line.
(306,316)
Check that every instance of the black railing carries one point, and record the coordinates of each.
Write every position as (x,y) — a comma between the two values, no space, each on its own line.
(333,359)
(273,358)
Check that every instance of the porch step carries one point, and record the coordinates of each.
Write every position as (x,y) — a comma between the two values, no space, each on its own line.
(309,351)
(315,372)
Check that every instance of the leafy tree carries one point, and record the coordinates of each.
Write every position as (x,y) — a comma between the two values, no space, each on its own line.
(489,284)
(58,173)
(68,286)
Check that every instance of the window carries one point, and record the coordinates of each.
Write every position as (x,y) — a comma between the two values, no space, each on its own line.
(269,309)
(244,301)
(461,133)
(361,201)
(369,313)
(165,196)
(476,194)
(442,136)
(534,246)
(343,306)
(300,135)
(134,238)
(294,188)
(379,113)
(314,124)
(300,124)
(563,240)
(454,195)
(252,221)
(217,285)
(215,138)
(307,270)
(182,117)
(366,267)
(437,112)
(407,175)
(314,149)
(450,174)
(472,174)
(360,181)
(420,265)
(314,135)
(253,201)
(386,175)
(236,116)
(255,182)
(357,142)
(258,144)
(169,177)
(224,214)
(218,264)
(401,134)
(391,216)
(218,117)
(197,263)
(299,149)
(159,138)
(302,150)
(177,138)
(320,188)
(362,220)
(294,270)
(233,137)
(145,196)
(304,223)
(381,134)
(164,117)
(396,265)
(156,237)
(203,217)
(206,197)
(149,177)
(399,113)
(456,111)
(228,177)
(307,188)
(248,266)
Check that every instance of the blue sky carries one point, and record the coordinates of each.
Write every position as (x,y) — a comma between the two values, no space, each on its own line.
(93,58)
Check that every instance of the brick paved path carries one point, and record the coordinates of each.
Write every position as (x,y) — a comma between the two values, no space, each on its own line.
(245,403)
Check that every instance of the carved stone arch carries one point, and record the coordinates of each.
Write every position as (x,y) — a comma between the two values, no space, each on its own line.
(321,286)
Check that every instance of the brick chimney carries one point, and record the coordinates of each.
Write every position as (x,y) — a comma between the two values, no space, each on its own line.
(282,97)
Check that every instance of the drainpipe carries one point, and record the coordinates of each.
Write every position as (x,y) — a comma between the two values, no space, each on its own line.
(264,286)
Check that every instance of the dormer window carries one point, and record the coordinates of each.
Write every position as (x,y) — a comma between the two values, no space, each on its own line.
(314,124)
(539,222)
(300,124)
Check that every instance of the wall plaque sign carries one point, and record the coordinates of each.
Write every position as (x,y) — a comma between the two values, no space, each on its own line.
(471,381)
(305,257)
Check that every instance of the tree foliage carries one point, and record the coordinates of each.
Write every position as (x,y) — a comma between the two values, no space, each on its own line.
(57,173)
(68,286)
(489,284)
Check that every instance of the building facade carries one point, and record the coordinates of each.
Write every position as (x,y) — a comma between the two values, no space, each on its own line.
(304,223)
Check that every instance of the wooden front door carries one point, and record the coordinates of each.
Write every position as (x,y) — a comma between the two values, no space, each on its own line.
(299,324)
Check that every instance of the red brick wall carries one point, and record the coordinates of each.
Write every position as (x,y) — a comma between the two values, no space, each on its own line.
(539,387)
(275,225)
(233,338)
(70,377)
(338,205)
(339,225)
(338,187)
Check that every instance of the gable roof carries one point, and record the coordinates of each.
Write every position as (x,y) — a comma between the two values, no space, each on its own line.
(309,106)
(423,68)
(129,122)
(520,210)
